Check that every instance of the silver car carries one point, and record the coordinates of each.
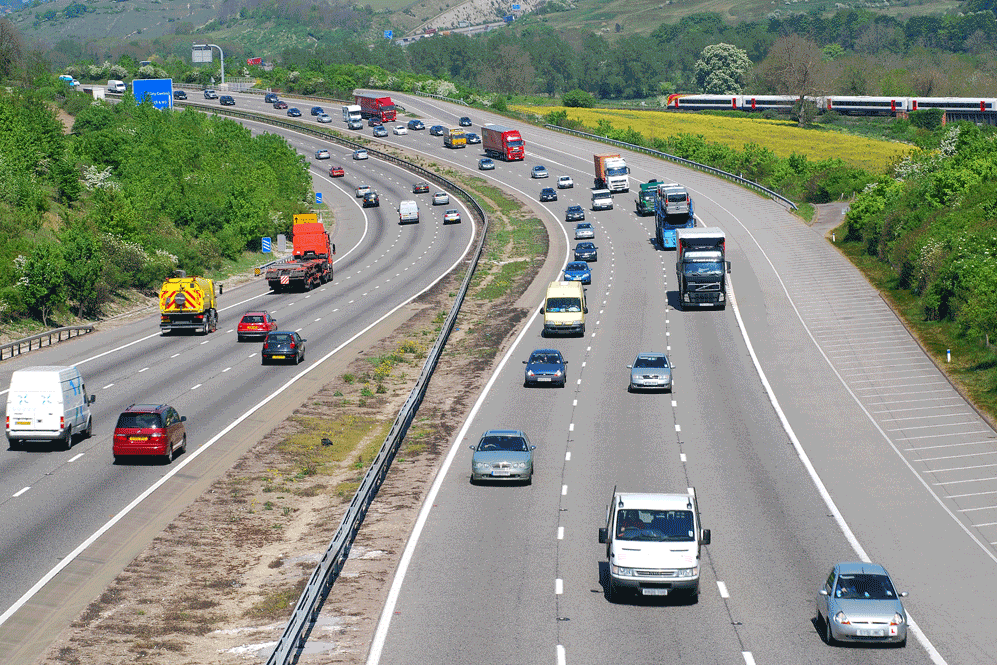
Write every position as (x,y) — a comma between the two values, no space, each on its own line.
(650,371)
(584,231)
(503,454)
(858,603)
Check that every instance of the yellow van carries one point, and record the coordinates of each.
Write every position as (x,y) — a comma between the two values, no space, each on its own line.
(564,308)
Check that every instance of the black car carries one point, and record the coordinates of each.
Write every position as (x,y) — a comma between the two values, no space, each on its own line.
(179,94)
(464,122)
(370,200)
(472,138)
(270,97)
(280,104)
(226,100)
(283,345)
(574,214)
(420,188)
(545,366)
(317,110)
(586,251)
(548,194)
(293,112)
(416,124)
(374,122)
(437,130)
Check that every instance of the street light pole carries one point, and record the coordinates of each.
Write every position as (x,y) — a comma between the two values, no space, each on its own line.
(221,55)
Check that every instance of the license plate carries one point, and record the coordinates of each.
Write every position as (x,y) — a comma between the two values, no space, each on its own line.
(543,378)
(138,438)
(654,592)
(501,473)
(868,632)
(277,357)
(23,422)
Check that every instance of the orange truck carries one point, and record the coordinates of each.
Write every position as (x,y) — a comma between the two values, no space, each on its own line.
(311,261)
(188,303)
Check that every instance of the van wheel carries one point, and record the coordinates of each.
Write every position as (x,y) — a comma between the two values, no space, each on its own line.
(612,593)
(15,444)
(89,430)
(67,441)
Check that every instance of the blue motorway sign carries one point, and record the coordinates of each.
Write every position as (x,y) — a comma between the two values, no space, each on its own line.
(159,91)
(318,198)
(266,245)
(388,34)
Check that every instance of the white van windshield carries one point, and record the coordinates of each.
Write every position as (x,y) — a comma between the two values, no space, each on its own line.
(655,525)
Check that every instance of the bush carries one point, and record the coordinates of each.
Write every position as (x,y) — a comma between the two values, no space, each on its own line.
(578,99)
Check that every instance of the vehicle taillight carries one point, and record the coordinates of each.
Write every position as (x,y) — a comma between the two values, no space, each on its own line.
(292,345)
(62,422)
(266,345)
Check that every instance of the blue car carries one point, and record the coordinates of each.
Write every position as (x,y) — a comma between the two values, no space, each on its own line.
(317,110)
(293,112)
(545,366)
(578,271)
(586,251)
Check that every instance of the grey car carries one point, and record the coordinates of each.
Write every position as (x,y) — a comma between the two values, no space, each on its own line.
(650,371)
(858,603)
(584,230)
(503,454)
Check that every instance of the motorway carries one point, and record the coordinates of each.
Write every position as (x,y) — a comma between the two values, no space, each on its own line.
(52,501)
(845,398)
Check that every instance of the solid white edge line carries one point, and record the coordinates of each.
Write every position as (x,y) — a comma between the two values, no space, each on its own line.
(748,658)
(561,659)
(381,633)
(193,455)
(818,483)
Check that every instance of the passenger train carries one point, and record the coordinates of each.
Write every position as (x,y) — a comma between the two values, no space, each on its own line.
(845,104)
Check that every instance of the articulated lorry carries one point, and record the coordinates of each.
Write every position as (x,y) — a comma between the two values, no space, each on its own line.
(612,173)
(647,199)
(311,260)
(654,544)
(502,142)
(701,267)
(455,138)
(187,303)
(376,107)
(672,210)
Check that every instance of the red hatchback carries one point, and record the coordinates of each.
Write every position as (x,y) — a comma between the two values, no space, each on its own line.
(337,172)
(150,429)
(255,324)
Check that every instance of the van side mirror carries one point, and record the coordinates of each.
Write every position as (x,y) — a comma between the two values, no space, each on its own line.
(333,248)
(603,535)
(706,536)
(728,267)
(91,399)
(183,419)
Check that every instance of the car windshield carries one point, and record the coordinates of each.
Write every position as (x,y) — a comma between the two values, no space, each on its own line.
(555,305)
(577,266)
(545,359)
(655,525)
(584,227)
(575,209)
(539,169)
(651,361)
(138,421)
(255,318)
(705,268)
(864,586)
(506,443)
(585,245)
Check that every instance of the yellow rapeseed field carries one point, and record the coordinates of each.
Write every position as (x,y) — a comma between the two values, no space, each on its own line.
(780,136)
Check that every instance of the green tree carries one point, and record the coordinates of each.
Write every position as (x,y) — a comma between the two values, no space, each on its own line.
(84,267)
(722,69)
(42,279)
(578,98)
(11,49)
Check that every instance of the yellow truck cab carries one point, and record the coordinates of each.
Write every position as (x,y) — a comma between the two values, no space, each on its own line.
(455,138)
(188,303)
(564,309)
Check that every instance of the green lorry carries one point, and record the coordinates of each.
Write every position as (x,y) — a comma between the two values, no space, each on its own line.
(645,200)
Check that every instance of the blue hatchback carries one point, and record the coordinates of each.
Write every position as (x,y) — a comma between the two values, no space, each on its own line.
(578,271)
(545,366)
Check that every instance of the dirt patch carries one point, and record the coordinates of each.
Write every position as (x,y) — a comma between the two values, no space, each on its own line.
(218,585)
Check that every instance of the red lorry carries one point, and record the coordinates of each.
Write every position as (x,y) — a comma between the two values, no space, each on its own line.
(311,263)
(499,141)
(376,107)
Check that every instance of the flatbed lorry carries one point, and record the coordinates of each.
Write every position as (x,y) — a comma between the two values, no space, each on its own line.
(673,210)
(311,260)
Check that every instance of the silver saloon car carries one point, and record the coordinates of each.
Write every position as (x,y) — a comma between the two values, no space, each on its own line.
(503,454)
(858,603)
(650,371)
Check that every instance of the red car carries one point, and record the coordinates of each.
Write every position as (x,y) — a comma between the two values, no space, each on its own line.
(337,172)
(255,324)
(149,429)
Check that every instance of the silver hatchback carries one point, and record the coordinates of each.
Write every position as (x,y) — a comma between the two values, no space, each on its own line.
(650,371)
(503,454)
(858,603)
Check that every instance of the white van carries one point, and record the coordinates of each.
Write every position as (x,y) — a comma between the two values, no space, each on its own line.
(48,404)
(115,86)
(408,211)
(564,308)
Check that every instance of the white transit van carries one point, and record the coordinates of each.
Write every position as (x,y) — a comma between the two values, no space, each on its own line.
(408,212)
(48,404)
(115,86)
(564,308)
(653,544)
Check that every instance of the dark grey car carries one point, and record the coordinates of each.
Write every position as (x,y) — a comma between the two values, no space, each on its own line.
(284,346)
(586,251)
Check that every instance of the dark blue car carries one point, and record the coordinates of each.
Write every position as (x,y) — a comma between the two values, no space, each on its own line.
(293,112)
(317,110)
(545,366)
(578,271)
(586,251)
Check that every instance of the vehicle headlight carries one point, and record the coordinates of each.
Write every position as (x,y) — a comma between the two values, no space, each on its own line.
(529,372)
(721,296)
(623,572)
(557,373)
(482,466)
(898,618)
(519,465)
(841,619)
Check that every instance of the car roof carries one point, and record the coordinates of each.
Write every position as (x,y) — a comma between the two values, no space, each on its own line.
(450,210)
(577,264)
(281,332)
(584,223)
(575,207)
(503,432)
(145,408)
(859,567)
(651,354)
(545,351)
(585,243)
(255,312)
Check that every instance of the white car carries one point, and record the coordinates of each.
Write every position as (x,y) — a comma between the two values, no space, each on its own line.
(360,154)
(399,130)
(441,199)
(451,216)
(361,190)
(565,182)
(324,118)
(322,154)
